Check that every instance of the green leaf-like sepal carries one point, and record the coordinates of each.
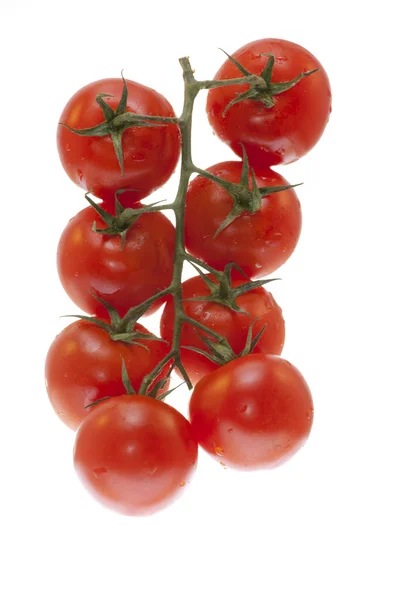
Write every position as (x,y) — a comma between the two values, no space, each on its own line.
(263,89)
(221,352)
(246,198)
(117,121)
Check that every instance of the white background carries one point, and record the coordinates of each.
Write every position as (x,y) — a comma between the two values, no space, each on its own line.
(326,525)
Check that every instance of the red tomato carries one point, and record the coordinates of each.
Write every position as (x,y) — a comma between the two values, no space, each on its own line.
(289,129)
(254,412)
(233,325)
(84,364)
(259,243)
(93,262)
(135,454)
(150,154)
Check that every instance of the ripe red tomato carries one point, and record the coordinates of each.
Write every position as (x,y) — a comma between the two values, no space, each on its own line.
(93,262)
(254,412)
(259,243)
(289,129)
(150,154)
(84,364)
(233,325)
(135,454)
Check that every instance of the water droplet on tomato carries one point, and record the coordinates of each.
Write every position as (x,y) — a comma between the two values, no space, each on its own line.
(139,156)
(182,483)
(219,451)
(258,265)
(68,148)
(80,174)
(230,430)
(99,471)
(243,409)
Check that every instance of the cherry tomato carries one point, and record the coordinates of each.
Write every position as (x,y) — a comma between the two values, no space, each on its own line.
(234,326)
(296,121)
(84,364)
(90,262)
(259,243)
(135,454)
(150,154)
(254,412)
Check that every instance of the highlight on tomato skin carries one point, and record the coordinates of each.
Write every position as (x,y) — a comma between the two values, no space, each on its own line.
(288,130)
(135,455)
(255,412)
(93,263)
(150,154)
(83,365)
(259,243)
(234,326)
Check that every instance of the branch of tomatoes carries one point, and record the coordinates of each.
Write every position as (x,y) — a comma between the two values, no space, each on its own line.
(246,195)
(222,219)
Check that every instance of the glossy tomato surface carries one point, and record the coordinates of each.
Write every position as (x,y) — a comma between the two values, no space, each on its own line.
(259,243)
(90,262)
(232,325)
(150,154)
(253,413)
(84,364)
(135,454)
(289,129)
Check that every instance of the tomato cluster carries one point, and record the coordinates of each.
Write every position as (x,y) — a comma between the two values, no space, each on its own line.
(107,376)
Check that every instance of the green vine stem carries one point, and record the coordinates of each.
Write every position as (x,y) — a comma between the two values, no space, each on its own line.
(245,199)
(192,88)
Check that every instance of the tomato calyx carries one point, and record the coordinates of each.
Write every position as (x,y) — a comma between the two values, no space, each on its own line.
(124,218)
(246,199)
(221,352)
(121,329)
(262,89)
(117,121)
(130,390)
(222,291)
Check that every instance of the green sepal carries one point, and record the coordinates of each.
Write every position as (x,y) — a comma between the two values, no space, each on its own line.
(126,381)
(116,122)
(97,402)
(241,68)
(121,329)
(121,222)
(160,384)
(263,89)
(168,392)
(222,291)
(246,199)
(222,353)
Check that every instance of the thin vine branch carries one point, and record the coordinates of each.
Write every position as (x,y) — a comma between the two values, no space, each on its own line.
(191,89)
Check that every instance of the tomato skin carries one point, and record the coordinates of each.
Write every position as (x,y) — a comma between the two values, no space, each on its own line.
(135,454)
(254,412)
(274,230)
(92,262)
(150,153)
(288,130)
(234,326)
(84,364)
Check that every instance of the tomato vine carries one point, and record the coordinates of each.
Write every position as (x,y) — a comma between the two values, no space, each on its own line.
(245,198)
(236,221)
